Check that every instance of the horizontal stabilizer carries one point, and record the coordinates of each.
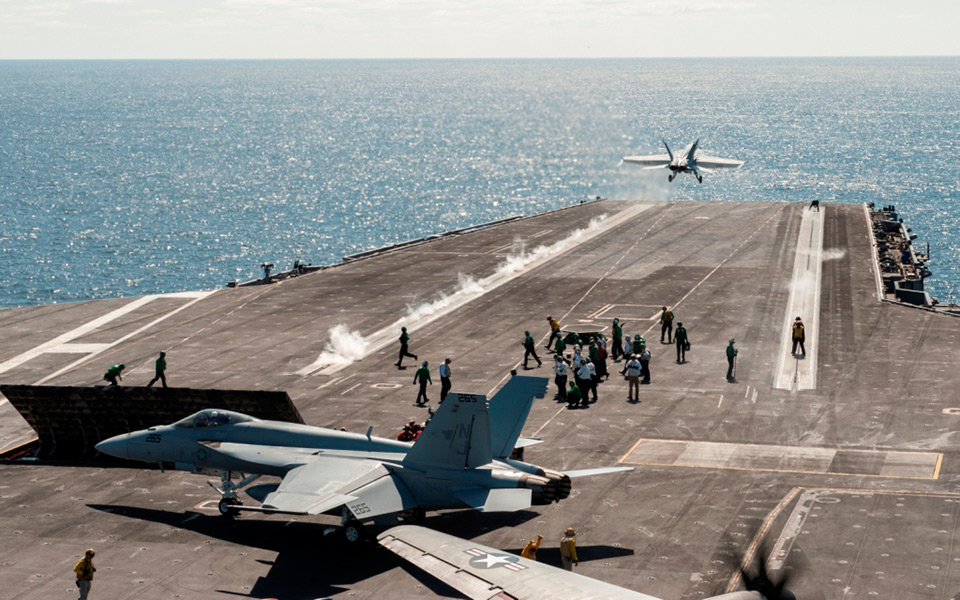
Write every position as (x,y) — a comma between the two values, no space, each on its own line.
(600,471)
(496,500)
(523,442)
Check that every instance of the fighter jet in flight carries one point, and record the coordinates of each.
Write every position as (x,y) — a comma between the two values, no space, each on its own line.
(461,460)
(483,573)
(691,160)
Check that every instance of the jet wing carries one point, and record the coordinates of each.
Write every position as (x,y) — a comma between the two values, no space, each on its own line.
(484,573)
(366,487)
(712,162)
(651,161)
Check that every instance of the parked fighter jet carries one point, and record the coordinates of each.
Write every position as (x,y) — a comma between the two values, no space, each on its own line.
(691,160)
(460,460)
(483,573)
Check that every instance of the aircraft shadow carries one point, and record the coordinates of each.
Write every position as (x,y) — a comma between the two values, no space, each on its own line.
(309,564)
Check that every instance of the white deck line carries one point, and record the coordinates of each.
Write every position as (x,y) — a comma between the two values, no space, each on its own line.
(792,373)
(196,297)
(73,334)
(506,272)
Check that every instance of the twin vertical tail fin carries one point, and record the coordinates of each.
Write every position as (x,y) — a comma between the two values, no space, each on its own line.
(669,153)
(693,150)
(460,434)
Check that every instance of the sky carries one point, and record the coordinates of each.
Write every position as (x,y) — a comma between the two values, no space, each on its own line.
(203,29)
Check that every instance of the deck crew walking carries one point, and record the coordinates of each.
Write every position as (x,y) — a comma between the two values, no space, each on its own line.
(159,368)
(422,376)
(529,349)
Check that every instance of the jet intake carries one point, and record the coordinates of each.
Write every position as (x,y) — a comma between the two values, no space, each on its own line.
(547,486)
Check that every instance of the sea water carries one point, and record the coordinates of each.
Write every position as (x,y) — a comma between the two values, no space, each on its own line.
(122,178)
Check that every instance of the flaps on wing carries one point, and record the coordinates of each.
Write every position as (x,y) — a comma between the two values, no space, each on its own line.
(326,483)
(483,573)
(496,500)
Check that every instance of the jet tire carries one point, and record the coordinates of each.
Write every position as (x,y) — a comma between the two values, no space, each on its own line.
(353,532)
(228,507)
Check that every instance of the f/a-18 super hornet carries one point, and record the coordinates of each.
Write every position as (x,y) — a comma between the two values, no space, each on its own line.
(483,573)
(461,460)
(691,160)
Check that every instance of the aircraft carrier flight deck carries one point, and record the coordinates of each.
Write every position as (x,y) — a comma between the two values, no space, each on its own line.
(843,462)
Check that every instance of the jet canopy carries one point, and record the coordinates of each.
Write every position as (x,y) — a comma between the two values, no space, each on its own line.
(213,417)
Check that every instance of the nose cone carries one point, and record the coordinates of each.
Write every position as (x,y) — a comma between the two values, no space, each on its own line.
(116,446)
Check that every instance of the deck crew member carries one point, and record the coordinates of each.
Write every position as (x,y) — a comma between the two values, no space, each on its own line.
(568,549)
(683,342)
(159,368)
(85,570)
(529,349)
(799,336)
(422,376)
(445,384)
(113,374)
(560,376)
(404,341)
(666,325)
(530,549)
(554,330)
(632,370)
(617,340)
(731,359)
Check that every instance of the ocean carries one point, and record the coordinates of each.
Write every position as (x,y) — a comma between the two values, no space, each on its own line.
(123,178)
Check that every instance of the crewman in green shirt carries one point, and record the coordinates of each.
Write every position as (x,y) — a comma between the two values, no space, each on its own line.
(404,341)
(680,337)
(731,359)
(422,376)
(160,366)
(529,347)
(617,340)
(573,395)
(113,374)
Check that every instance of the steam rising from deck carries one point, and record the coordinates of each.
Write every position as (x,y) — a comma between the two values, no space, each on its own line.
(346,346)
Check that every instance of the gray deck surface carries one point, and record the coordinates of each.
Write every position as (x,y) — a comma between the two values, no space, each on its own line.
(856,481)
